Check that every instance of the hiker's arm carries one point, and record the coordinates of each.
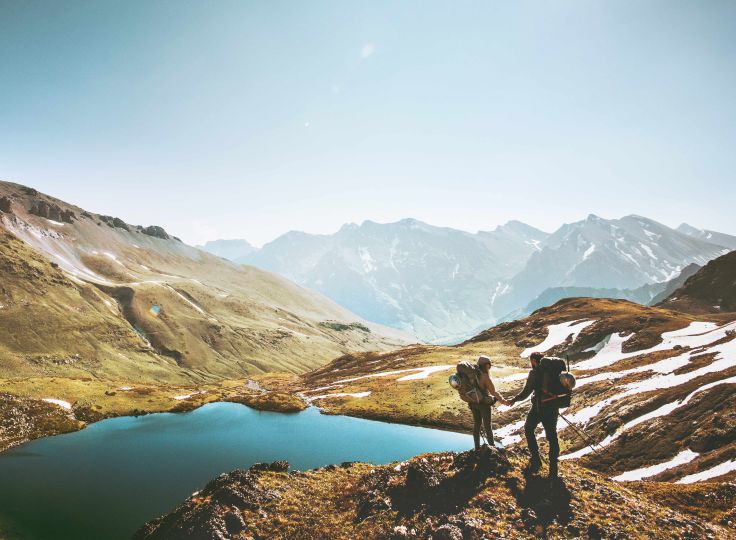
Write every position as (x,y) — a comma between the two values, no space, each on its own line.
(491,388)
(528,388)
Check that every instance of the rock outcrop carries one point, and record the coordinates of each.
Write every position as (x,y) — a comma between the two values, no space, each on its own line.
(52,211)
(6,205)
(215,512)
(115,222)
(156,231)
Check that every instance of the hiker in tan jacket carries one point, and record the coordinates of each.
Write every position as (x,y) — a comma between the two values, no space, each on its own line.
(482,411)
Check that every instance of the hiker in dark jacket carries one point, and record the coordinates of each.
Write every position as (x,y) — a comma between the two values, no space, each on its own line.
(539,412)
(482,411)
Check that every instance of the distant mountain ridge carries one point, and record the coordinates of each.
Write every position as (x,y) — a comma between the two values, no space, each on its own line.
(624,253)
(432,281)
(443,284)
(228,249)
(713,237)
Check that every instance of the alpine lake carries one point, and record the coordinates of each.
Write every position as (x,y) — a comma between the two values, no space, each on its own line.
(107,480)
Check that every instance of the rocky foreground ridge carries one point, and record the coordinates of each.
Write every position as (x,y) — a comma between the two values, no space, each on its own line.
(448,496)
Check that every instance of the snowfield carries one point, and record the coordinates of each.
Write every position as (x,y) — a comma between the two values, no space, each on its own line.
(423,373)
(187,396)
(713,472)
(556,335)
(696,340)
(342,394)
(60,402)
(686,456)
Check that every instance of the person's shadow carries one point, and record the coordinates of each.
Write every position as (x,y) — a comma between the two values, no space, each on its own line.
(545,500)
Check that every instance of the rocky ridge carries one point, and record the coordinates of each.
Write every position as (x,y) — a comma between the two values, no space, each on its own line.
(469,495)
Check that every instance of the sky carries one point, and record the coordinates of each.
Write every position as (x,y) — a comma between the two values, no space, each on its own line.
(239,119)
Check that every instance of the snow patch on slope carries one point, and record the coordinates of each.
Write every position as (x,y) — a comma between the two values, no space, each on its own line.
(686,456)
(713,472)
(556,335)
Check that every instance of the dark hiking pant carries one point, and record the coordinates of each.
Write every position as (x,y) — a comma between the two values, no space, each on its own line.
(548,418)
(481,411)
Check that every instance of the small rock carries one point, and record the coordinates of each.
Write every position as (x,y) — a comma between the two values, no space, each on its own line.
(447,532)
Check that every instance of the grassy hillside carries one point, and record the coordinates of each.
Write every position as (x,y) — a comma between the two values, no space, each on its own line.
(90,305)
(710,290)
(652,384)
(85,293)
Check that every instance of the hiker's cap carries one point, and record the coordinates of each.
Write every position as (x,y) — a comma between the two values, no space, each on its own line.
(483,360)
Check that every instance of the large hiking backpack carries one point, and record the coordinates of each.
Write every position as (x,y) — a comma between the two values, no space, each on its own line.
(466,382)
(552,392)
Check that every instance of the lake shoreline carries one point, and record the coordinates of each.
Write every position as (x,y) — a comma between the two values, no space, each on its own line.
(184,407)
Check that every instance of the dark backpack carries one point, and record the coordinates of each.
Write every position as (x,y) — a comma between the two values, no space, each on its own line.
(551,392)
(469,388)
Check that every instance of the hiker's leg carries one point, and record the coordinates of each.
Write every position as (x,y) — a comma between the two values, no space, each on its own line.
(476,426)
(549,422)
(485,411)
(532,421)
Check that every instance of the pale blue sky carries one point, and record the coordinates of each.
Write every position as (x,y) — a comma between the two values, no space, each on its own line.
(222,119)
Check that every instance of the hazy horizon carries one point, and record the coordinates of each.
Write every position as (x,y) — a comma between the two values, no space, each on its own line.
(248,120)
(334,230)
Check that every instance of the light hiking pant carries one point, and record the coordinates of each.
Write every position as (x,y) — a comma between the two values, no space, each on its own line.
(548,418)
(481,411)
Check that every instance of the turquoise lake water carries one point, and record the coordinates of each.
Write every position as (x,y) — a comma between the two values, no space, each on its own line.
(107,480)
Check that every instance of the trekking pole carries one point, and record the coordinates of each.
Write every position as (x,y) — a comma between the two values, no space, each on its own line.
(483,436)
(577,430)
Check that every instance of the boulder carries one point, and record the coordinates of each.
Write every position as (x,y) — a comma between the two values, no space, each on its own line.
(447,532)
(6,204)
(120,224)
(156,231)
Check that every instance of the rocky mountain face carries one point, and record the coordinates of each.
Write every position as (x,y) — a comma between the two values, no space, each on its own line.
(82,294)
(234,250)
(431,281)
(598,253)
(713,237)
(672,285)
(712,289)
(648,294)
(444,285)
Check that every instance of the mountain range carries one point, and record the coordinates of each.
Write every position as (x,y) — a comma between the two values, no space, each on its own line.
(429,281)
(83,293)
(444,285)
